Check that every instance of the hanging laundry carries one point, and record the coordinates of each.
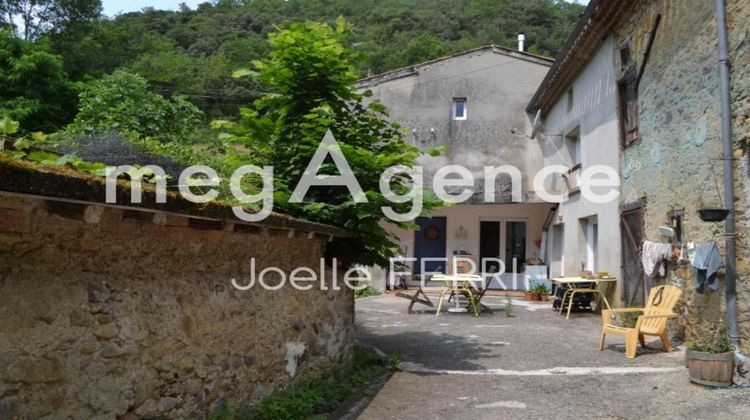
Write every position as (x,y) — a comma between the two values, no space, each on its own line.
(653,256)
(689,253)
(707,262)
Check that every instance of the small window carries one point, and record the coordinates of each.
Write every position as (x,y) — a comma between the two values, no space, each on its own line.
(570,99)
(573,143)
(573,146)
(627,87)
(459,108)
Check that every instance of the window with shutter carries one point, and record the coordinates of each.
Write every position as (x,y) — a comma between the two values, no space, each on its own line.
(628,89)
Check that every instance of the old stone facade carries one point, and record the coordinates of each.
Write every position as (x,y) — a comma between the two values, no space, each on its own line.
(676,164)
(110,313)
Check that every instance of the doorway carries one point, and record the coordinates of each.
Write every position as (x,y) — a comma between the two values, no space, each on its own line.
(631,227)
(489,245)
(503,240)
(429,242)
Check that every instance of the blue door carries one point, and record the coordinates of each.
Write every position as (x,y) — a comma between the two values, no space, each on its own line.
(429,241)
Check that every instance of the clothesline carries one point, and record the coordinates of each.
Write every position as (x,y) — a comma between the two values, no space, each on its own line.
(704,257)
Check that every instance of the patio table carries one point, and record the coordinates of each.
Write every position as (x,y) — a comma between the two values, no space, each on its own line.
(583,285)
(458,284)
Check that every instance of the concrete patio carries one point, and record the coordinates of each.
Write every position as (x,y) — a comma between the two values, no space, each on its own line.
(532,365)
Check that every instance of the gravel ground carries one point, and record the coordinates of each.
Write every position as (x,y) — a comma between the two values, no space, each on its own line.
(535,364)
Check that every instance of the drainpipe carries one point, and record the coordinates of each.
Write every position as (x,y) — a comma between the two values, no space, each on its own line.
(730,293)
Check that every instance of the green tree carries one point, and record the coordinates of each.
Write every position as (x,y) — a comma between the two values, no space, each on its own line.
(35,88)
(207,43)
(312,78)
(39,16)
(122,102)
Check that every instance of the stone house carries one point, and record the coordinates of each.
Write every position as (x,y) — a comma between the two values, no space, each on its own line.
(667,88)
(123,310)
(473,103)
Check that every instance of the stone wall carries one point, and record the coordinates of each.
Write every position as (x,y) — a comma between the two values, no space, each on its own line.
(108,313)
(676,163)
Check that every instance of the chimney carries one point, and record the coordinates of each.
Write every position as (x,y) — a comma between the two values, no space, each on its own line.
(521,38)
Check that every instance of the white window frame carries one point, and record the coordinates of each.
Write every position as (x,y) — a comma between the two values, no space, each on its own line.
(592,244)
(453,109)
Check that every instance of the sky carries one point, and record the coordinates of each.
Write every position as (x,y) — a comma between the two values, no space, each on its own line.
(113,7)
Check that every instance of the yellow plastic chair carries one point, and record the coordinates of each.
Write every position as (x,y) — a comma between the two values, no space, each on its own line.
(659,307)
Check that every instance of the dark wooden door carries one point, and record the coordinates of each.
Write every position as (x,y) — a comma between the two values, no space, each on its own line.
(631,227)
(489,245)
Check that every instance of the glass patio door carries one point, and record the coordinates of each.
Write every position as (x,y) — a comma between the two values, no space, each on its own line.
(515,246)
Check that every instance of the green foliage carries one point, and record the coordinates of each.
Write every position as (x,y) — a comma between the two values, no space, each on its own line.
(628,319)
(35,88)
(366,292)
(394,360)
(122,102)
(8,126)
(540,289)
(311,397)
(508,306)
(30,19)
(193,52)
(22,144)
(311,76)
(225,411)
(473,304)
(714,341)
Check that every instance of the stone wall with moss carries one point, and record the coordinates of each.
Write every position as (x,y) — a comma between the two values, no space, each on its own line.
(676,163)
(108,313)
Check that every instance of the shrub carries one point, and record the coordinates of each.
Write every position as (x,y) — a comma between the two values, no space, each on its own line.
(122,102)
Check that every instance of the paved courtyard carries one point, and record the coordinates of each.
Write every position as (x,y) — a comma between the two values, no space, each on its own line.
(535,364)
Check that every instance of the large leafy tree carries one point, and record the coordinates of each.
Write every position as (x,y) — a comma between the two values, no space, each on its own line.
(35,88)
(32,18)
(311,77)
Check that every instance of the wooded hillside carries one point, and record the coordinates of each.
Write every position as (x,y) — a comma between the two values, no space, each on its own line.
(193,52)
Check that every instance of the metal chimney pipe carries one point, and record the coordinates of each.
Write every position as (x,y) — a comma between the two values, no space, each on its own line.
(521,39)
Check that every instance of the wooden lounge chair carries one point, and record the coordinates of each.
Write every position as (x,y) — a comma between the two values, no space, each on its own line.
(659,308)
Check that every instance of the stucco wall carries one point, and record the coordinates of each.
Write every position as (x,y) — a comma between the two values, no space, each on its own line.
(594,114)
(468,217)
(674,165)
(497,87)
(113,313)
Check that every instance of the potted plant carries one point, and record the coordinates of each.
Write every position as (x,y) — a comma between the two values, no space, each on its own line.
(530,295)
(710,360)
(541,291)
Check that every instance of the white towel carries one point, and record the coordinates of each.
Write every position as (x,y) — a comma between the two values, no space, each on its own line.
(652,254)
(689,252)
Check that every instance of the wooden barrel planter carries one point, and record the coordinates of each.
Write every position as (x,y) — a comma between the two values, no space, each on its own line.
(712,369)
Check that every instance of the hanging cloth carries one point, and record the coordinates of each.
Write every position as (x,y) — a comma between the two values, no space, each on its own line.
(707,262)
(652,256)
